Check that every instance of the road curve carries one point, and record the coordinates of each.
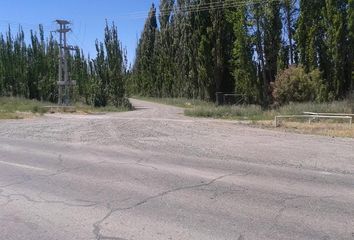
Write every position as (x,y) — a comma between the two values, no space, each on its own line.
(155,174)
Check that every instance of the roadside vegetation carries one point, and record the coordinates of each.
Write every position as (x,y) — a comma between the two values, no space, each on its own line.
(263,50)
(254,114)
(199,108)
(89,109)
(29,69)
(20,108)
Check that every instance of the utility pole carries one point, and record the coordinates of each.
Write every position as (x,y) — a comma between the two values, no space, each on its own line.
(64,83)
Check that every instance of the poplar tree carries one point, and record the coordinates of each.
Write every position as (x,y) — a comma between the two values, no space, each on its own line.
(272,26)
(145,66)
(244,69)
(258,19)
(164,51)
(338,46)
(351,41)
(290,11)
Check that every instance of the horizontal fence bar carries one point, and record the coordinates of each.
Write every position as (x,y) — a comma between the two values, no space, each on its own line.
(311,117)
(330,114)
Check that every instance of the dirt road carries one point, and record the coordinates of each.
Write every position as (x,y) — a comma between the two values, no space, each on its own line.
(155,174)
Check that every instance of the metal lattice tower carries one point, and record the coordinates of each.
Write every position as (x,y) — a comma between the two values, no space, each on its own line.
(65,84)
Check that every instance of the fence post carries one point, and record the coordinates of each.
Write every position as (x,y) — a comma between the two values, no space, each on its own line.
(219,98)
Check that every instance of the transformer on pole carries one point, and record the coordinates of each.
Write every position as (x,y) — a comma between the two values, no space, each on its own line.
(65,84)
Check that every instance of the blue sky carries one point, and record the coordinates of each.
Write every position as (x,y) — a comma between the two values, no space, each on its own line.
(88,18)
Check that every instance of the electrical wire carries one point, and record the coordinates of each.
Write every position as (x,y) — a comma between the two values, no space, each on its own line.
(200,8)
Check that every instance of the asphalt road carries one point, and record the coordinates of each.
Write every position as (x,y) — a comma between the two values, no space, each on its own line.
(155,174)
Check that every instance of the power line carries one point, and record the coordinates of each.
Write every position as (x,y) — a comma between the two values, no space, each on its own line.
(220,5)
(200,8)
(189,8)
(170,9)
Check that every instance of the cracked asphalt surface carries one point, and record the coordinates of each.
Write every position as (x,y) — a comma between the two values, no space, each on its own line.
(156,174)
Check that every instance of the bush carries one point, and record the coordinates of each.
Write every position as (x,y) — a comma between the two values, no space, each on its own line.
(295,85)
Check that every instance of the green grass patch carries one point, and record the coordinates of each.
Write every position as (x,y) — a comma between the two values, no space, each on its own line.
(332,107)
(250,112)
(13,104)
(17,108)
(254,113)
(80,107)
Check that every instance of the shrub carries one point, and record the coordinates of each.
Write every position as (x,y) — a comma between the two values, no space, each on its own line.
(295,85)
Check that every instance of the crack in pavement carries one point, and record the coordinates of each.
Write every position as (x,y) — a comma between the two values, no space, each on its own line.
(27,198)
(58,172)
(25,179)
(97,225)
(89,203)
(111,238)
(283,208)
(10,197)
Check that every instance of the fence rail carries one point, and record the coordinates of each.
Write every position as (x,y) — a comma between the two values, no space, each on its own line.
(312,117)
(330,114)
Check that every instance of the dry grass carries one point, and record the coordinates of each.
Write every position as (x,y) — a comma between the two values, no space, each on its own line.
(257,117)
(254,112)
(19,108)
(323,128)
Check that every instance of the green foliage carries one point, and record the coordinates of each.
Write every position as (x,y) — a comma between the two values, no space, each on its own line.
(295,85)
(31,70)
(244,68)
(108,71)
(194,49)
(323,42)
(190,55)
(351,50)
(217,47)
(272,27)
(14,108)
(145,65)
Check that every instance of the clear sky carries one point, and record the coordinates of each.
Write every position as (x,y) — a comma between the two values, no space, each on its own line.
(88,18)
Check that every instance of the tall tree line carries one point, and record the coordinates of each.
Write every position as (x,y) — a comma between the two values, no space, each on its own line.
(30,68)
(195,48)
